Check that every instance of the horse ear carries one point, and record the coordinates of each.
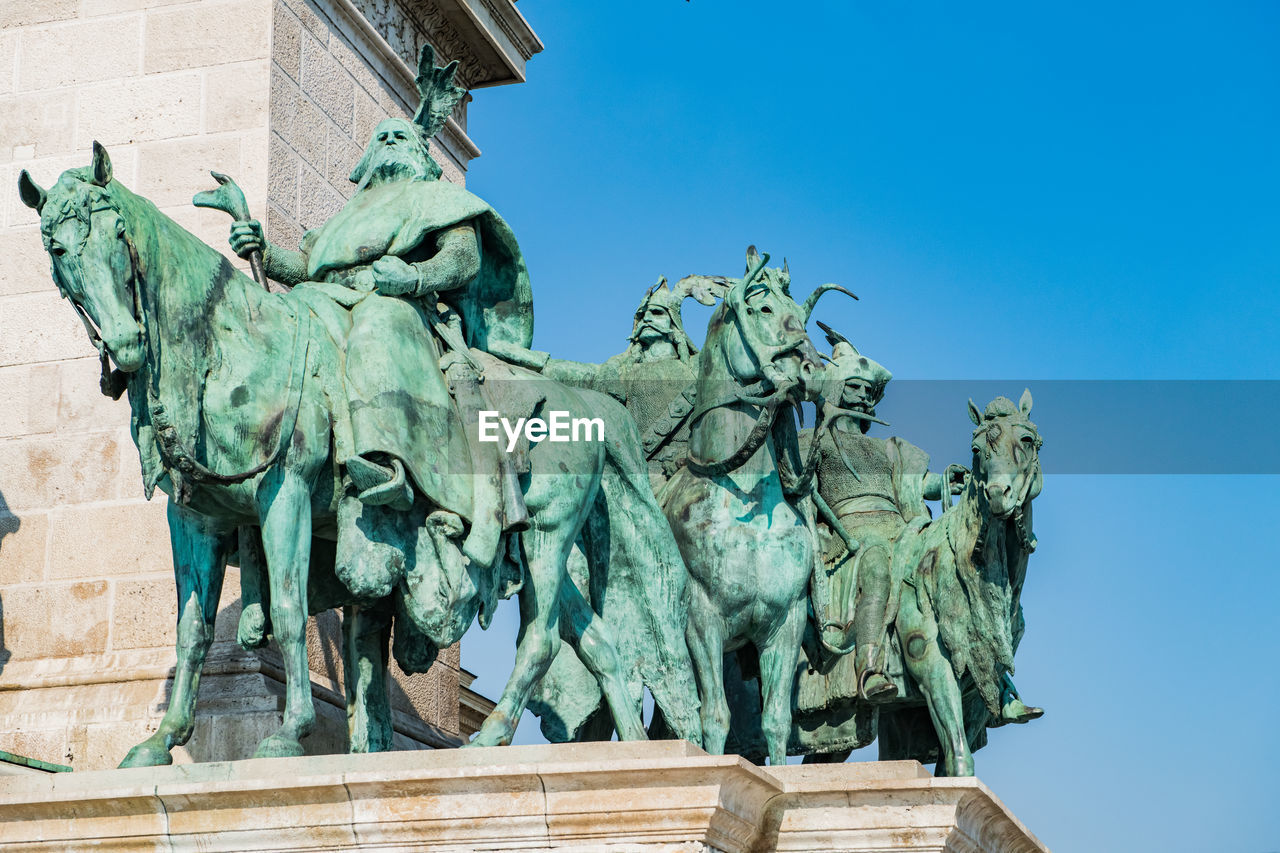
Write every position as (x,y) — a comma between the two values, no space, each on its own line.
(974,414)
(1024,402)
(33,196)
(101,165)
(753,257)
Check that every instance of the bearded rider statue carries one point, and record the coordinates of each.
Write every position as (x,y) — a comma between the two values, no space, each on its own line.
(410,270)
(654,376)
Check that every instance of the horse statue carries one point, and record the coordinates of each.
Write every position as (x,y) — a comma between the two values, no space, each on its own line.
(957,617)
(960,619)
(738,504)
(203,351)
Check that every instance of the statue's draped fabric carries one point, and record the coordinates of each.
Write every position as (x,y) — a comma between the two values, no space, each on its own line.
(400,402)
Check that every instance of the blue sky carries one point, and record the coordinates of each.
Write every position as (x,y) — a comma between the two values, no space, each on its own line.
(1017,193)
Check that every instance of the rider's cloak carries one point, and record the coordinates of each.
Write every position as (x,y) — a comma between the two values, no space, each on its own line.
(400,403)
(398,218)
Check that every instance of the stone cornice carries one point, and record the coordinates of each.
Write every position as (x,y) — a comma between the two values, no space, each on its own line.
(490,39)
(388,63)
(515,27)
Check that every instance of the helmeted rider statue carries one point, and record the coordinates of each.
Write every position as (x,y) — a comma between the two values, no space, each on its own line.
(875,487)
(411,269)
(654,376)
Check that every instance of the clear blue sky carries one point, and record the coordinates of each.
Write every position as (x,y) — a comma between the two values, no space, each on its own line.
(1018,193)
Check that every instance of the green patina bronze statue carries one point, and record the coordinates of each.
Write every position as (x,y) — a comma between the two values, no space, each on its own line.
(777,590)
(960,617)
(395,289)
(876,489)
(654,376)
(740,507)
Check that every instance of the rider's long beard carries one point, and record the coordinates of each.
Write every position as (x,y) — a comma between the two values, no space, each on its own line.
(393,166)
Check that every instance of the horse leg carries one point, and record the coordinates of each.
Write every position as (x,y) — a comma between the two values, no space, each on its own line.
(931,669)
(778,662)
(284,505)
(365,635)
(546,552)
(199,560)
(254,628)
(705,636)
(581,628)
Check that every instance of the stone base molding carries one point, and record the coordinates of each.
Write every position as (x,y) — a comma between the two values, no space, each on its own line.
(656,796)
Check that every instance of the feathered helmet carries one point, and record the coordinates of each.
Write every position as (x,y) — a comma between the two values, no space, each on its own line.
(847,363)
(437,96)
(704,288)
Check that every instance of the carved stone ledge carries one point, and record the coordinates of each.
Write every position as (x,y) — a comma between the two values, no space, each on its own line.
(658,796)
(490,39)
(390,40)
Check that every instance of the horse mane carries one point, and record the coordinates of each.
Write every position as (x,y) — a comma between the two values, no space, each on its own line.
(970,586)
(182,281)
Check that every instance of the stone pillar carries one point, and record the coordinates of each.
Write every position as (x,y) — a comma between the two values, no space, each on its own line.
(280,94)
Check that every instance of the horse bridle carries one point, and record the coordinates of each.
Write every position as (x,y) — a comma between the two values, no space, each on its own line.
(1026,538)
(181,462)
(769,405)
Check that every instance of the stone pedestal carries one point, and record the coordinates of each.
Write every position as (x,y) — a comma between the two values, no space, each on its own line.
(660,796)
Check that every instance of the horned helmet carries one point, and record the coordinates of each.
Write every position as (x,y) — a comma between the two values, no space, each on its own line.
(861,380)
(659,314)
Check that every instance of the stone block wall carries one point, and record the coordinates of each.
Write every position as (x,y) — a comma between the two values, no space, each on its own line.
(87,604)
(332,81)
(282,95)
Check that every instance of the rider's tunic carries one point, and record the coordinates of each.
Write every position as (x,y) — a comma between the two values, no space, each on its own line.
(398,401)
(875,487)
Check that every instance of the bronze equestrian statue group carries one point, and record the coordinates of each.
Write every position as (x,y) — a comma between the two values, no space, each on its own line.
(778,590)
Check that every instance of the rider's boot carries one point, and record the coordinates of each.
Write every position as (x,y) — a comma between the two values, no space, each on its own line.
(381,485)
(373,545)
(1012,709)
(873,685)
(869,627)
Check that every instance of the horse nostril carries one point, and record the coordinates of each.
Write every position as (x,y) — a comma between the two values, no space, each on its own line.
(995,491)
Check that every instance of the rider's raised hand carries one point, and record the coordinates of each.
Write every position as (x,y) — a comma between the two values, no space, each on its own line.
(246,237)
(393,277)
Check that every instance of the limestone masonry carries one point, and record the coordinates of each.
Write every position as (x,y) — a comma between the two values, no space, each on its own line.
(279,94)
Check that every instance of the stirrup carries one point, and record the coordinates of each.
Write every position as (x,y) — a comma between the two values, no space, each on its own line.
(873,685)
(380,485)
(876,687)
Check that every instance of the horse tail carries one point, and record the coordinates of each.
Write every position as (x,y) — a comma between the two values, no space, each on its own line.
(642,576)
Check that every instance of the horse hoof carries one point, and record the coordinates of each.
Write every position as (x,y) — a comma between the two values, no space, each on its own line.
(278,746)
(146,755)
(483,739)
(252,631)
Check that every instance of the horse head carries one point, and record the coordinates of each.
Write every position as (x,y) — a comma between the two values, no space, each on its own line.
(94,263)
(760,330)
(1006,454)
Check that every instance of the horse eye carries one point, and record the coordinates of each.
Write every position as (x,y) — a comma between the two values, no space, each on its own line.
(1028,440)
(765,309)
(57,251)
